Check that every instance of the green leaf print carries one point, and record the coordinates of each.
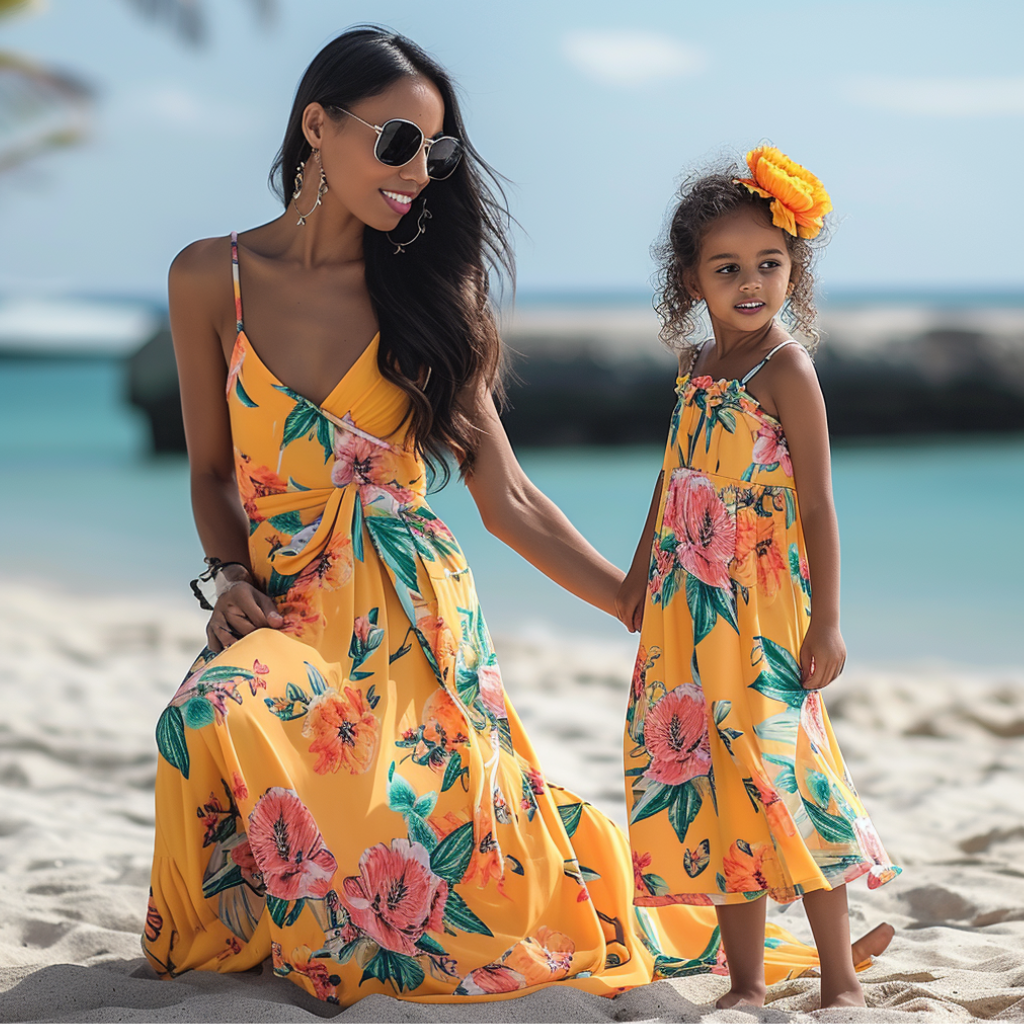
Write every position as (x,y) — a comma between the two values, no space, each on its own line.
(657,797)
(242,395)
(227,878)
(301,421)
(325,435)
(394,544)
(401,795)
(721,709)
(430,945)
(458,915)
(317,682)
(424,806)
(287,522)
(790,507)
(453,772)
(780,675)
(820,787)
(170,739)
(656,885)
(198,713)
(225,673)
(277,908)
(684,809)
(780,728)
(830,827)
(420,832)
(404,973)
(357,529)
(570,815)
(278,585)
(707,604)
(296,910)
(450,858)
(785,778)
(296,694)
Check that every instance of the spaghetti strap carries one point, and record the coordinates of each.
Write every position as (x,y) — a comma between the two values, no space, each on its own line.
(239,327)
(790,341)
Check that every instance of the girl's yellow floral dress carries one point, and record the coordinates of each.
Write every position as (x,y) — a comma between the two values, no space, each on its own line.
(353,795)
(735,783)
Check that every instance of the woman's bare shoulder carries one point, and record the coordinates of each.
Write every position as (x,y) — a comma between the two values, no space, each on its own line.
(205,258)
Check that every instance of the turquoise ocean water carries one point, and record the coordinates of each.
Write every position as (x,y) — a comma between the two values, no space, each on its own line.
(932,559)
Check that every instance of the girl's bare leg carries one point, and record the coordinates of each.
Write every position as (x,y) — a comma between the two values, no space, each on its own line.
(829,918)
(742,927)
(872,943)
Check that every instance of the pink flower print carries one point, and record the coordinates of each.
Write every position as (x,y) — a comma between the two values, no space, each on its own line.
(259,682)
(492,693)
(357,459)
(492,979)
(676,736)
(702,525)
(237,358)
(770,448)
(664,563)
(288,847)
(536,780)
(396,897)
(721,964)
(812,720)
(238,786)
(640,861)
(702,383)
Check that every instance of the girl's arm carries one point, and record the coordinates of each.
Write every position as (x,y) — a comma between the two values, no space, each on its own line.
(518,513)
(633,592)
(197,291)
(797,396)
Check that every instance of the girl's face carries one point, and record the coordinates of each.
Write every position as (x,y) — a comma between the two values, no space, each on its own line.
(376,194)
(744,270)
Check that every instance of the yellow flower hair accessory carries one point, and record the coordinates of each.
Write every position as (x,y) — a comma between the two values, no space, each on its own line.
(799,200)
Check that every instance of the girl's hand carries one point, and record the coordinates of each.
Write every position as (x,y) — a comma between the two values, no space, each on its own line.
(238,611)
(822,656)
(630,600)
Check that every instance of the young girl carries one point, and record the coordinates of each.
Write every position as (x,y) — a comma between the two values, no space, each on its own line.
(736,786)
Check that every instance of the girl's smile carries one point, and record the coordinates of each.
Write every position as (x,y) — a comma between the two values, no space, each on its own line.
(400,202)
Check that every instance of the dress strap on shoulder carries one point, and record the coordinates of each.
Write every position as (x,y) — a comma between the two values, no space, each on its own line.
(238,285)
(788,341)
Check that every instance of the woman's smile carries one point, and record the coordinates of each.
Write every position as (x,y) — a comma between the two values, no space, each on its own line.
(749,307)
(400,202)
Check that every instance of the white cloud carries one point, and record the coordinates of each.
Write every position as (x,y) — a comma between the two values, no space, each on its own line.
(941,97)
(630,58)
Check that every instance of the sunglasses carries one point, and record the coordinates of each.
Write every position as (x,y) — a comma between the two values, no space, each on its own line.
(399,142)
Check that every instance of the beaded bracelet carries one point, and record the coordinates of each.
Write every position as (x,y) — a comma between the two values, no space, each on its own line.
(208,586)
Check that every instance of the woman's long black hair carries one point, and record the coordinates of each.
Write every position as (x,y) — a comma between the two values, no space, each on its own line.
(432,300)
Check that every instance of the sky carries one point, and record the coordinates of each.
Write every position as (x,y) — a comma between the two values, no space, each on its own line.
(912,114)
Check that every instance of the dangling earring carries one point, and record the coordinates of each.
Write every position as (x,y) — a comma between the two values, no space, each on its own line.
(320,192)
(421,229)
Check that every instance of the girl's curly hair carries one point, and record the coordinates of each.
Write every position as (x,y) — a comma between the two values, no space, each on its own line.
(703,198)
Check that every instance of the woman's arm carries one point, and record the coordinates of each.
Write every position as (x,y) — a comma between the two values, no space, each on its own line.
(197,292)
(515,511)
(797,396)
(629,603)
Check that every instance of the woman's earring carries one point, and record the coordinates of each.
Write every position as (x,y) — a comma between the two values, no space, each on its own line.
(320,192)
(421,229)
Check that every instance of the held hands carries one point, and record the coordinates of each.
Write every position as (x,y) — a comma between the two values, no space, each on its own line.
(630,599)
(822,656)
(239,610)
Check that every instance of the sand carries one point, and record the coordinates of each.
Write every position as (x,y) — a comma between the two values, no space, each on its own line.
(937,755)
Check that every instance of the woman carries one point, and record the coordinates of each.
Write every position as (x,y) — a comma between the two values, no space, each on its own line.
(343,784)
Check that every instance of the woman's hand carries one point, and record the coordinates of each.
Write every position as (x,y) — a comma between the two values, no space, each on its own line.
(238,611)
(822,656)
(630,600)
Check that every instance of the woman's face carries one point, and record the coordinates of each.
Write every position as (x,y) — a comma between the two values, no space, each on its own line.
(376,194)
(744,270)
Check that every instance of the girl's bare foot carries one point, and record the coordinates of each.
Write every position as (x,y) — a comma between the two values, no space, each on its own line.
(875,943)
(742,997)
(851,997)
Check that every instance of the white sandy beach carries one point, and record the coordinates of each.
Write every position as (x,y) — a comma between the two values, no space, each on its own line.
(938,757)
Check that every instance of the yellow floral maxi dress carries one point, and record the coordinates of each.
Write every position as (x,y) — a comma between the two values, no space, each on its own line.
(353,795)
(734,780)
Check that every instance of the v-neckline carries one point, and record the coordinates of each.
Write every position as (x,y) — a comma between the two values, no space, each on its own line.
(277,380)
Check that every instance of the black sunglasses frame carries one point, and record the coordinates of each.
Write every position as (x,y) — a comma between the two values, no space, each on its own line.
(424,141)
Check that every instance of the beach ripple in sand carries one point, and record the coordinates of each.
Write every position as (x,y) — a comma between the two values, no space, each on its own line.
(937,755)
